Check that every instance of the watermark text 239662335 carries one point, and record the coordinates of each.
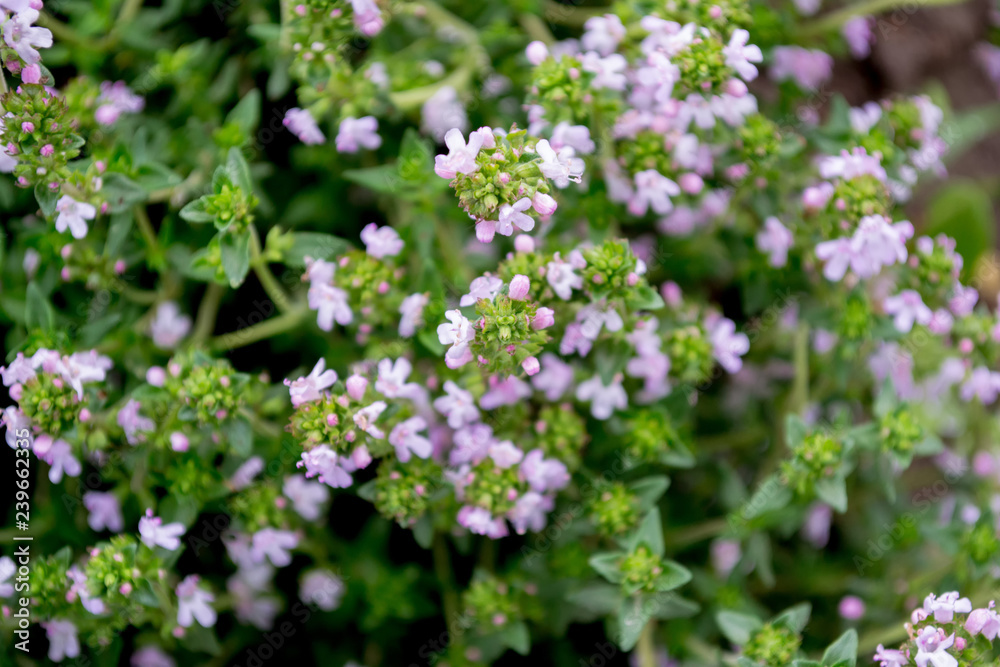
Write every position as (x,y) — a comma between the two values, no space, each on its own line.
(22,555)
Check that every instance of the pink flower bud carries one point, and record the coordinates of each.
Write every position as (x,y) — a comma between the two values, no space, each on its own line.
(178,442)
(156,376)
(531,365)
(632,279)
(959,643)
(715,12)
(544,318)
(519,287)
(524,243)
(691,183)
(361,457)
(356,386)
(31,74)
(65,274)
(536,52)
(85,415)
(120,266)
(851,608)
(47,150)
(671,292)
(544,204)
(27,126)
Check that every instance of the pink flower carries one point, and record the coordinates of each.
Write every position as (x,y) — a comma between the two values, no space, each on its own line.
(381,241)
(727,345)
(392,377)
(544,318)
(274,545)
(857,32)
(59,455)
(576,137)
(908,307)
(115,99)
(73,215)
(355,133)
(324,464)
(512,216)
(307,497)
(105,512)
(530,512)
(555,378)
(411,311)
(531,366)
(459,333)
(61,634)
(652,190)
(365,419)
(604,398)
(303,126)
(536,52)
(775,239)
(20,34)
(963,300)
(367,17)
(505,454)
(561,277)
(809,69)
(461,157)
(356,386)
(560,166)
(330,304)
(603,33)
(851,608)
(543,205)
(609,72)
(890,657)
(946,605)
(507,391)
(483,287)
(816,529)
(457,405)
(852,164)
(406,438)
(985,622)
(739,56)
(310,388)
(154,533)
(932,647)
(194,604)
(519,287)
(543,474)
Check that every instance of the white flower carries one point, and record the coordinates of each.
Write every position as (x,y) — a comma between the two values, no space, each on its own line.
(73,214)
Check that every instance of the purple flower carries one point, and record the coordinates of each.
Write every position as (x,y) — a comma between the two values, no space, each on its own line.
(507,391)
(133,423)
(59,455)
(851,608)
(653,368)
(61,634)
(816,529)
(809,69)
(512,216)
(355,133)
(560,166)
(480,522)
(442,113)
(115,99)
(19,371)
(890,657)
(851,164)
(105,513)
(907,307)
(381,241)
(406,438)
(154,533)
(194,604)
(983,621)
(324,464)
(392,376)
(576,137)
(330,304)
(536,52)
(561,276)
(603,33)
(73,215)
(652,190)
(932,647)
(857,32)
(555,378)
(411,310)
(25,38)
(365,419)
(608,72)
(7,570)
(739,56)
(604,398)
(14,420)
(322,588)
(307,497)
(459,333)
(244,475)
(505,454)
(303,126)
(483,287)
(310,388)
(775,239)
(864,118)
(169,325)
(543,474)
(725,555)
(530,512)
(983,384)
(457,405)
(367,17)
(946,605)
(727,345)
(963,300)
(274,545)
(543,319)
(151,656)
(461,157)
(520,285)
(472,444)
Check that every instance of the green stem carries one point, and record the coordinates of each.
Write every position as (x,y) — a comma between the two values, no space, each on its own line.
(262,331)
(688,535)
(800,357)
(646,648)
(536,28)
(449,597)
(144,297)
(207,312)
(834,20)
(267,279)
(570,16)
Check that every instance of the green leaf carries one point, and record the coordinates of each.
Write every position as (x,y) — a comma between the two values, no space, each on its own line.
(416,158)
(650,533)
(674,576)
(121,192)
(46,200)
(795,430)
(833,491)
(736,626)
(194,211)
(600,599)
(649,490)
(201,640)
(118,231)
(235,256)
(246,114)
(963,210)
(845,649)
(770,496)
(239,170)
(367,491)
(239,433)
(795,618)
(607,564)
(316,246)
(516,637)
(38,312)
(423,529)
(384,179)
(674,606)
(644,297)
(632,618)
